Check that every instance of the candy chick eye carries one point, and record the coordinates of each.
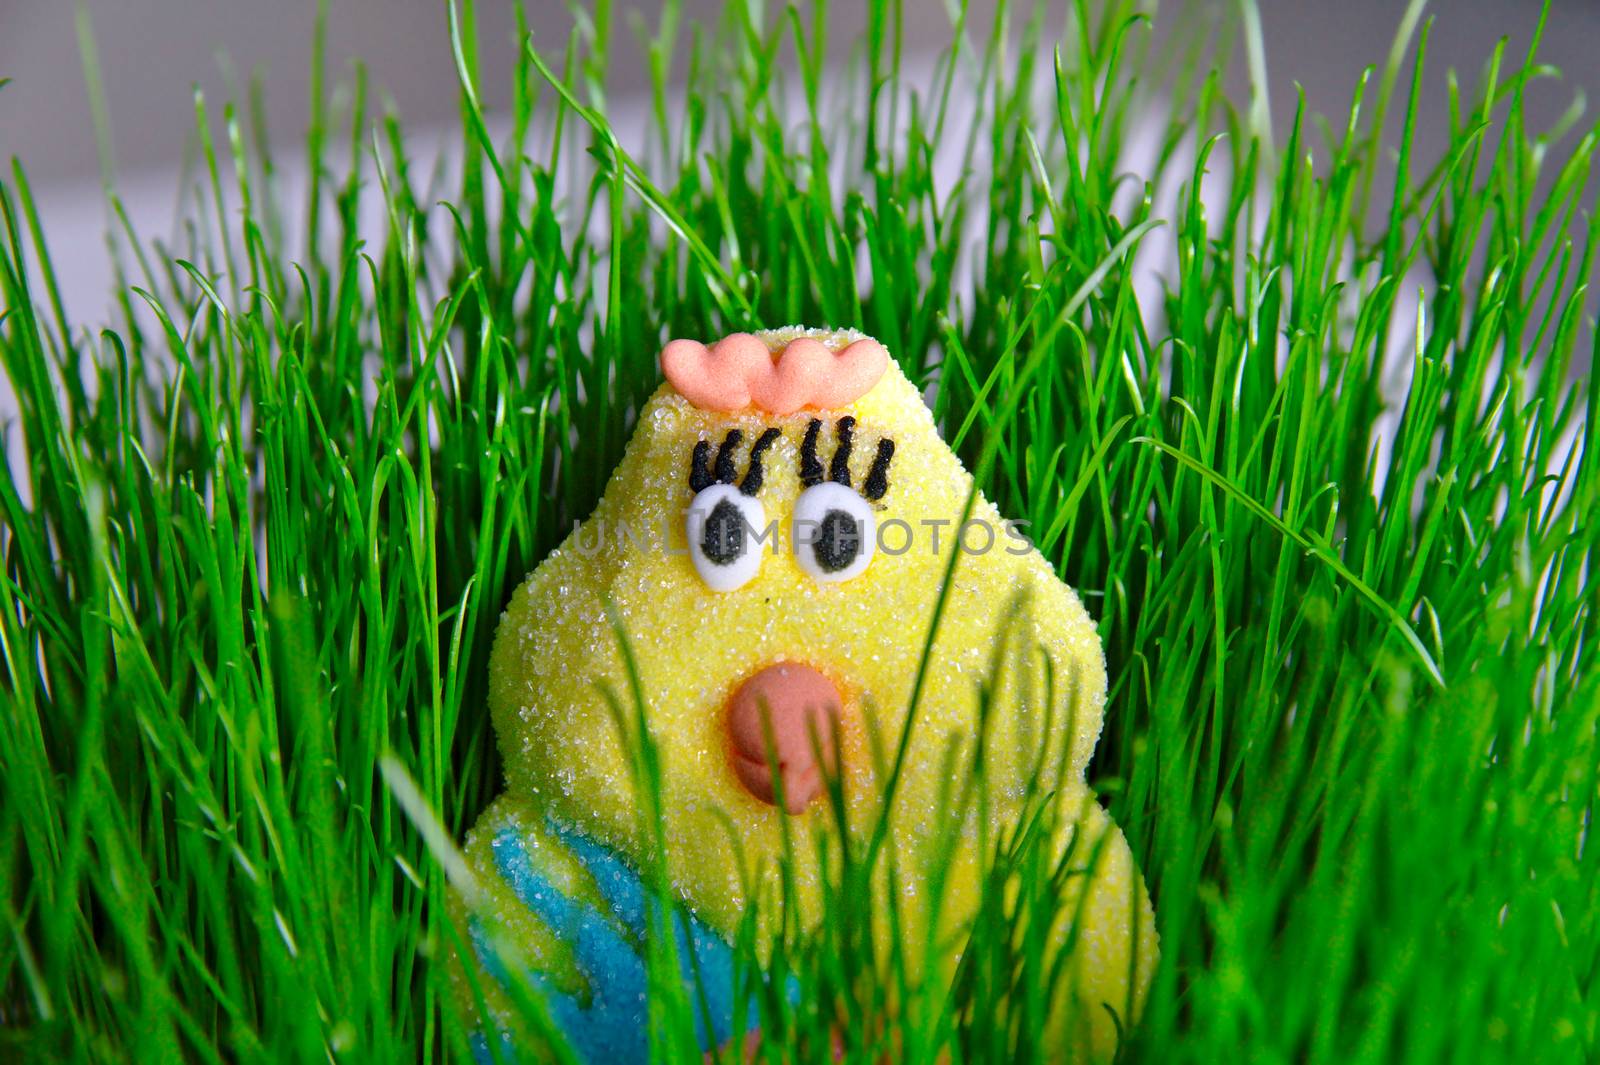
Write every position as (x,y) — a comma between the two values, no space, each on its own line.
(833,532)
(725,529)
(834,529)
(725,526)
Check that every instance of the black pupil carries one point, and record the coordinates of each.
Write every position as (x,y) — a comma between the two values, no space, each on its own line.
(838,541)
(722,539)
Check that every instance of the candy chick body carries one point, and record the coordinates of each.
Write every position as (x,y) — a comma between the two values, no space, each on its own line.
(773,543)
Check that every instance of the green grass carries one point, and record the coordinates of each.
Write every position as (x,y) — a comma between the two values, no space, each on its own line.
(258,530)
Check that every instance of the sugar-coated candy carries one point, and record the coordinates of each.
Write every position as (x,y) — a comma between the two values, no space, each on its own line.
(773,544)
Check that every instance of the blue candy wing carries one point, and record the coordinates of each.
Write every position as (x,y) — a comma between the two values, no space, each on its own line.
(612,1027)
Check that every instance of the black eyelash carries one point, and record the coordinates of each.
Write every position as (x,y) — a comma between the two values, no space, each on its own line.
(699,473)
(810,468)
(839,473)
(703,473)
(724,467)
(811,471)
(754,475)
(878,476)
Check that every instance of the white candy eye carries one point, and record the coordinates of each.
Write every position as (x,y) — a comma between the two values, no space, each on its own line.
(834,532)
(725,533)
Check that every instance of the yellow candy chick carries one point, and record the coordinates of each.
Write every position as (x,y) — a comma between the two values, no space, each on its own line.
(773,543)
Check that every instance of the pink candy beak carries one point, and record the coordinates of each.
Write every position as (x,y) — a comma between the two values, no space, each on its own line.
(798,701)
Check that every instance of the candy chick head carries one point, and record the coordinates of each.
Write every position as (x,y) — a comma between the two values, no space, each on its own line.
(773,544)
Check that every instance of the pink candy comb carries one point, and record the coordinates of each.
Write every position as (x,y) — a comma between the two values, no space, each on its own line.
(739,371)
